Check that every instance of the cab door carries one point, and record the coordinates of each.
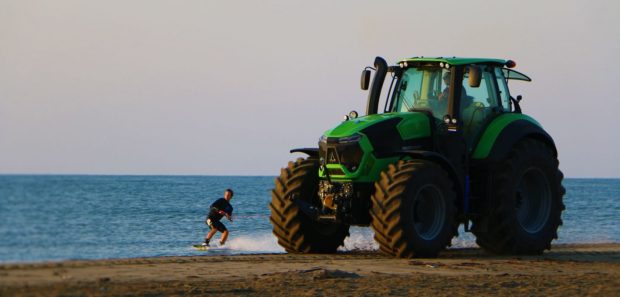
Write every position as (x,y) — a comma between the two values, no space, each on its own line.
(479,105)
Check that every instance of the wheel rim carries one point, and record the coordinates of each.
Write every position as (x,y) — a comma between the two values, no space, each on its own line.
(533,200)
(428,212)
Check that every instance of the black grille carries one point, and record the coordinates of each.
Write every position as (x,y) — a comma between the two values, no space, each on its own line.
(348,154)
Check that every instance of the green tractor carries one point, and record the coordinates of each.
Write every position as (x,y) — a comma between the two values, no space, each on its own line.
(450,146)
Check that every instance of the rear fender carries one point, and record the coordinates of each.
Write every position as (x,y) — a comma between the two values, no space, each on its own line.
(515,132)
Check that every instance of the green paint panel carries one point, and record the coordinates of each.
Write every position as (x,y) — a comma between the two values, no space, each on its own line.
(494,129)
(369,173)
(414,125)
(348,128)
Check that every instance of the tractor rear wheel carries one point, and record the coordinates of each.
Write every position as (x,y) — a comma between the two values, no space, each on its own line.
(527,207)
(414,209)
(295,231)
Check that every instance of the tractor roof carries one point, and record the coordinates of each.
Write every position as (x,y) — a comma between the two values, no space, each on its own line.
(456,60)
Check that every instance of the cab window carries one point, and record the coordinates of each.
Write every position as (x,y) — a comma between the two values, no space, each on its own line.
(421,88)
(504,95)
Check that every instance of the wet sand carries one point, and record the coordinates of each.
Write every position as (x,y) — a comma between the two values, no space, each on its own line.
(566,270)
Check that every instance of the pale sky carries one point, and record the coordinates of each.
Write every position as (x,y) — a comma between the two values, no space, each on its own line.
(228,87)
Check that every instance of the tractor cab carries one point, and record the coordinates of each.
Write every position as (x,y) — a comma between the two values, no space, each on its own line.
(461,94)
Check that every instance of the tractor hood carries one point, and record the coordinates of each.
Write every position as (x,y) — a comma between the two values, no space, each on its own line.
(408,125)
(362,147)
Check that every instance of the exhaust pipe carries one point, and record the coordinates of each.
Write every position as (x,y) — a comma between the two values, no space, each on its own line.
(377,83)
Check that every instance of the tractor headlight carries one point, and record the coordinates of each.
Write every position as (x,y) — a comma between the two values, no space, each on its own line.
(323,139)
(350,139)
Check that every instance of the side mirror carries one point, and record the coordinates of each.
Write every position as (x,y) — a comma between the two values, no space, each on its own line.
(515,103)
(365,80)
(475,76)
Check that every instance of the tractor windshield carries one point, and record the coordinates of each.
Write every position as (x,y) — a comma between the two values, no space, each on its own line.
(422,88)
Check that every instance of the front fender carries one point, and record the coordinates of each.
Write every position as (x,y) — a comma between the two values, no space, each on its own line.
(443,162)
(310,151)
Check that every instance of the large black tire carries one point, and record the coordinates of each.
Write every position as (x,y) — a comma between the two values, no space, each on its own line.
(527,207)
(295,231)
(414,209)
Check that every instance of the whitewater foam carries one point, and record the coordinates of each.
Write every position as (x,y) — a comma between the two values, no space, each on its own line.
(360,239)
(260,243)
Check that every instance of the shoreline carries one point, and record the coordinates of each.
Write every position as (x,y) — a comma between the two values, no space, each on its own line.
(352,251)
(568,269)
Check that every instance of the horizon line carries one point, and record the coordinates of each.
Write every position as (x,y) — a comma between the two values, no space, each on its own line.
(202,175)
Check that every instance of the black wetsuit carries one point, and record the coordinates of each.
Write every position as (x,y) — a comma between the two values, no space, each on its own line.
(214,217)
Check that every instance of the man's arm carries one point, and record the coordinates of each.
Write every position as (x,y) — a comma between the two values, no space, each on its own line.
(227,215)
(228,211)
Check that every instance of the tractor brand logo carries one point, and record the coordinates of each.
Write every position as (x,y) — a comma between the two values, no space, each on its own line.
(331,158)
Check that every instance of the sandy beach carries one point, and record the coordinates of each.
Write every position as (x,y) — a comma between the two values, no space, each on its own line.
(566,270)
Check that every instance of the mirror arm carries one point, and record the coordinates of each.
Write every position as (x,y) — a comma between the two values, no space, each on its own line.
(516,104)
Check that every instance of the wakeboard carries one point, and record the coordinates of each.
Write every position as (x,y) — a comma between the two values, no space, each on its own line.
(200,247)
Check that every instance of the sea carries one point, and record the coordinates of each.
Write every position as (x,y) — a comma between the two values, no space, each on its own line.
(63,217)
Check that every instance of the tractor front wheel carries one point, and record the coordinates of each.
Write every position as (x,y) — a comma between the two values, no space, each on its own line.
(414,209)
(297,232)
